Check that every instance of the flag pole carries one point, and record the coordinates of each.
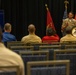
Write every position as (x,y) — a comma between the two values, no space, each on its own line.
(49,22)
(46,9)
(46,6)
(66,3)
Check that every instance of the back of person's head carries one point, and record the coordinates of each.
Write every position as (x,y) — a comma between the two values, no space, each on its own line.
(69,29)
(7,27)
(50,32)
(31,28)
(1,36)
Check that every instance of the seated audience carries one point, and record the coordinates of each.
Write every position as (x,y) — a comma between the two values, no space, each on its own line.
(31,37)
(68,36)
(10,58)
(51,36)
(6,35)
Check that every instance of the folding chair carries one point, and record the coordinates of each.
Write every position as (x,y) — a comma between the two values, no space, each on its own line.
(67,55)
(34,56)
(33,69)
(15,43)
(9,70)
(50,47)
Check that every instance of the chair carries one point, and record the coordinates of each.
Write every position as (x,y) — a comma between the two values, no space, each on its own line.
(21,48)
(55,43)
(50,47)
(67,55)
(69,42)
(34,68)
(50,41)
(34,56)
(39,44)
(15,43)
(68,46)
(8,73)
(9,70)
(71,46)
(35,53)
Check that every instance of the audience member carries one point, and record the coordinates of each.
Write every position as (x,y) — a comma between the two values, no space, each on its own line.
(6,35)
(32,37)
(68,22)
(51,36)
(10,58)
(68,36)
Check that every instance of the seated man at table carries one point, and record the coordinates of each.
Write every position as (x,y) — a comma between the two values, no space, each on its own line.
(10,58)
(51,36)
(6,35)
(31,37)
(68,36)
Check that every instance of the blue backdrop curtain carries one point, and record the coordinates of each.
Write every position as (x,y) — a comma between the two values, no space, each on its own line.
(20,13)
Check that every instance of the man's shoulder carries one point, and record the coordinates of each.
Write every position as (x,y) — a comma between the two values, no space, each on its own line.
(74,20)
(12,35)
(37,36)
(8,34)
(25,36)
(65,19)
(64,37)
(29,36)
(13,54)
(68,19)
(7,51)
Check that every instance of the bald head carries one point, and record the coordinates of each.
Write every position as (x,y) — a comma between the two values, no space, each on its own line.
(31,28)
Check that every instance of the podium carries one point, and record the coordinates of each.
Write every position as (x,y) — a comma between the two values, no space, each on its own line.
(74,31)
